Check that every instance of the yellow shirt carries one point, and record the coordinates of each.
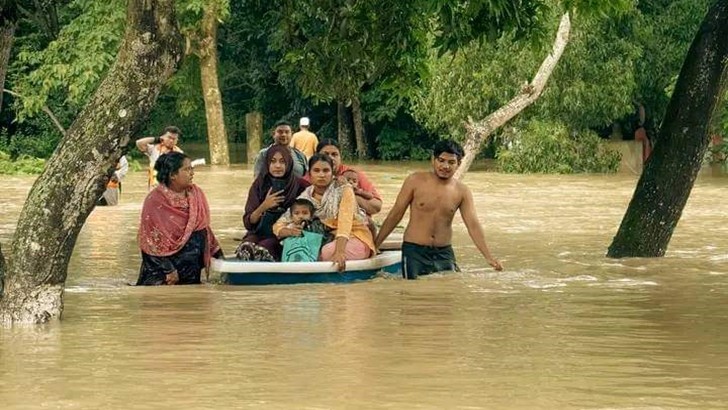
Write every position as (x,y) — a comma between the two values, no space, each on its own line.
(305,141)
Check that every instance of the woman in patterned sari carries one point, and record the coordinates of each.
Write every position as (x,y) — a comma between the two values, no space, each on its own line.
(335,205)
(174,234)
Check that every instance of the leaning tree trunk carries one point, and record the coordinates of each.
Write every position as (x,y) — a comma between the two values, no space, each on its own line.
(664,187)
(217,137)
(66,192)
(344,131)
(361,141)
(478,132)
(7,34)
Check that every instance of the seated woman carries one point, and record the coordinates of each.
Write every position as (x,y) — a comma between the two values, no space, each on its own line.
(336,207)
(174,233)
(366,193)
(272,192)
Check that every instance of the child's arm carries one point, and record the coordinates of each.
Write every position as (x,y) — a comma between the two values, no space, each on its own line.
(362,193)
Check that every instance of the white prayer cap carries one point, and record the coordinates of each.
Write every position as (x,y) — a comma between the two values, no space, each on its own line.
(304,122)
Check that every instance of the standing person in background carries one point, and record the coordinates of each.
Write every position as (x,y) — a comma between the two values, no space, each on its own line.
(153,147)
(305,140)
(113,186)
(281,136)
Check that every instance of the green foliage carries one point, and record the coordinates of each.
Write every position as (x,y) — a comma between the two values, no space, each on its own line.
(75,62)
(36,138)
(333,50)
(461,22)
(473,82)
(664,30)
(397,144)
(549,148)
(190,12)
(24,165)
(592,84)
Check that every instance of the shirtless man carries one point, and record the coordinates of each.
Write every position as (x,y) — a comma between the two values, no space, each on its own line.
(433,198)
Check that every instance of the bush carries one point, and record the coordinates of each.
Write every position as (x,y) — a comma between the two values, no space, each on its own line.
(395,144)
(36,138)
(544,147)
(23,165)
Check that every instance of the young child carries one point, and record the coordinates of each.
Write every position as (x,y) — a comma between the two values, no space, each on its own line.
(353,179)
(299,248)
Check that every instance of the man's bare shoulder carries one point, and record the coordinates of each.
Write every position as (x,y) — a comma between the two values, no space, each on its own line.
(417,177)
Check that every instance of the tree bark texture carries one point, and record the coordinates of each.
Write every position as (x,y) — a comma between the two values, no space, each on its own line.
(66,192)
(216,135)
(361,141)
(478,132)
(253,135)
(668,177)
(344,129)
(7,34)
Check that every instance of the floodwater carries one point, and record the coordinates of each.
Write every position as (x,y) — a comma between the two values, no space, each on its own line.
(562,327)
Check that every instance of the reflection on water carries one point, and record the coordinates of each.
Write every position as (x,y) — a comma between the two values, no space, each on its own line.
(561,327)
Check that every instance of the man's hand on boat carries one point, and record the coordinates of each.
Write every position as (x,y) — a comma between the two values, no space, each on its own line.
(172,278)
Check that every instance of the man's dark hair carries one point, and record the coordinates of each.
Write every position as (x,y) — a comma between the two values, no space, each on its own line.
(167,165)
(448,146)
(172,130)
(304,202)
(325,143)
(282,122)
(320,157)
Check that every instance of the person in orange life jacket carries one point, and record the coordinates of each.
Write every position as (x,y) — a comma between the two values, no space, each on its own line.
(153,147)
(113,186)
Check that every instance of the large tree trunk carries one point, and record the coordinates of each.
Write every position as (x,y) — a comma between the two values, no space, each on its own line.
(7,34)
(72,181)
(361,141)
(478,132)
(217,137)
(670,172)
(344,131)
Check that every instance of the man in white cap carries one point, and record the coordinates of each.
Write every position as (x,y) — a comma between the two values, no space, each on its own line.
(305,140)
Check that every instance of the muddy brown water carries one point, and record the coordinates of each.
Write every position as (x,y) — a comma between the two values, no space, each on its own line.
(562,327)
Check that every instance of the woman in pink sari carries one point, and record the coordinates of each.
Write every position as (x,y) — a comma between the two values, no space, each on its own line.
(174,234)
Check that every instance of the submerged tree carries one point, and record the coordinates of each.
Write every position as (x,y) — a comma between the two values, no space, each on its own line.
(669,175)
(66,192)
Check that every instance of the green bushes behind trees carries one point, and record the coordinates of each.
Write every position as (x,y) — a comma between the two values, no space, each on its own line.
(546,147)
(412,92)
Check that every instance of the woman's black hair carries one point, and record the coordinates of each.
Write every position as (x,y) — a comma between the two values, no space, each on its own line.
(320,157)
(325,143)
(167,165)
